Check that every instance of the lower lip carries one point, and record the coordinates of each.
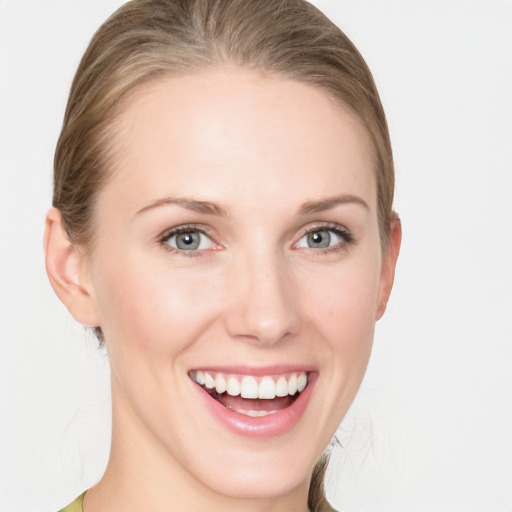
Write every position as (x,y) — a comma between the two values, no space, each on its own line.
(264,427)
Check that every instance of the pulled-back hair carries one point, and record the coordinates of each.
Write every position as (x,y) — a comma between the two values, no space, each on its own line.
(148,39)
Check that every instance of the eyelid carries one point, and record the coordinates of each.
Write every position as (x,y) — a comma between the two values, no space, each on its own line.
(183,228)
(318,226)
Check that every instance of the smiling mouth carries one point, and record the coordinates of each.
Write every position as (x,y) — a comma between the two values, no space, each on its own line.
(249,395)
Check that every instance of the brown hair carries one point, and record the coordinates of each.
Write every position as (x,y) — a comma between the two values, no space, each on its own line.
(148,39)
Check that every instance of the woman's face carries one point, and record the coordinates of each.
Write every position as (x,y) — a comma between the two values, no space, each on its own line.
(236,251)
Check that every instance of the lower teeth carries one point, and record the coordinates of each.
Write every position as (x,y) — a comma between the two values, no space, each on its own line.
(252,413)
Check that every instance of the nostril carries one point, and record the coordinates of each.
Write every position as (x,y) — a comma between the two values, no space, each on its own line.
(268,325)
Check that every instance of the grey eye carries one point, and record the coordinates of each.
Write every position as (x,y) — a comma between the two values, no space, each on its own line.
(322,238)
(319,239)
(190,241)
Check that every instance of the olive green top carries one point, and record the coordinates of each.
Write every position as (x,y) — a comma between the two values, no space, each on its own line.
(76,506)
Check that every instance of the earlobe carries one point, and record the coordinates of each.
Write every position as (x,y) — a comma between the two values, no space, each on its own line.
(64,266)
(387,275)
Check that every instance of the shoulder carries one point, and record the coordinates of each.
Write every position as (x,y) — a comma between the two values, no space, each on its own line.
(76,506)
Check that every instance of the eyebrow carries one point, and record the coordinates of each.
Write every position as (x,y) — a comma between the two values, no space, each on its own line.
(331,202)
(189,204)
(211,208)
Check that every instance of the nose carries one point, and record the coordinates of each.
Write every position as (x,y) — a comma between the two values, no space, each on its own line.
(263,305)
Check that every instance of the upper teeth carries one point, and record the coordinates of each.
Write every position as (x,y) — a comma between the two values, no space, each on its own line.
(248,386)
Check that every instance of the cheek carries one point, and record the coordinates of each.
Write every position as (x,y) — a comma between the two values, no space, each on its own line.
(343,303)
(339,305)
(153,308)
(342,315)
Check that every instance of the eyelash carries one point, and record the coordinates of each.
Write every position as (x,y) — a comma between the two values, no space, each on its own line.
(341,232)
(164,238)
(346,236)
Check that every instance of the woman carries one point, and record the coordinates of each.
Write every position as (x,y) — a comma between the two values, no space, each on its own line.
(222,217)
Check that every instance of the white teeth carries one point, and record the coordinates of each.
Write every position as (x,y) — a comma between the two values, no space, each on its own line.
(302,382)
(209,382)
(220,383)
(249,387)
(233,386)
(292,385)
(267,388)
(281,387)
(254,414)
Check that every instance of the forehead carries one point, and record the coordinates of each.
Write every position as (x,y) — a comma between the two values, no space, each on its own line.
(230,133)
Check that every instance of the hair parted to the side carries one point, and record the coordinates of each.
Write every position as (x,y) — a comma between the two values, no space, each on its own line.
(148,39)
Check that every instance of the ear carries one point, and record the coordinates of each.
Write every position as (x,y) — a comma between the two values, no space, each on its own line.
(66,269)
(387,273)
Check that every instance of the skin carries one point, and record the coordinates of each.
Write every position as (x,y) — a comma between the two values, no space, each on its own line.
(256,295)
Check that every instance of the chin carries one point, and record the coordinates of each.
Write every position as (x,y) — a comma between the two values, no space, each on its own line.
(263,481)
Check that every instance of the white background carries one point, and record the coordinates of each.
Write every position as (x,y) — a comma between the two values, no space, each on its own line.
(432,427)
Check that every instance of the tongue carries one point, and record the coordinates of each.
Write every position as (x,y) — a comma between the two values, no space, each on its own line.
(237,402)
